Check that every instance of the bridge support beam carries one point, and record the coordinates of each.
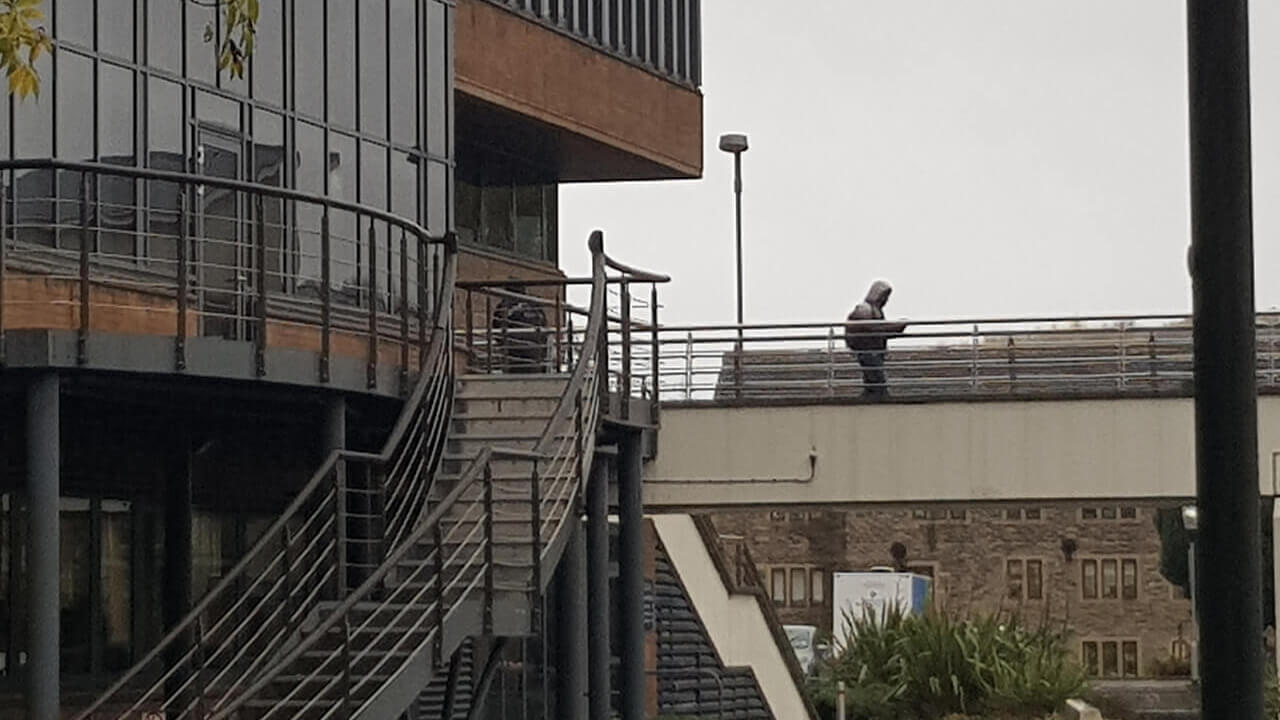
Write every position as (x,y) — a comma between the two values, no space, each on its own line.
(571,625)
(1221,264)
(43,488)
(599,654)
(631,576)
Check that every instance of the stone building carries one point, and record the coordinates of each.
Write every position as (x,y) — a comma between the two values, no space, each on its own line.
(1094,567)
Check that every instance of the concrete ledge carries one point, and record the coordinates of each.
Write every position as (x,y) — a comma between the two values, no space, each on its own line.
(1080,710)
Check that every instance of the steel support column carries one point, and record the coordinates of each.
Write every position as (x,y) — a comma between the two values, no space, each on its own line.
(571,627)
(1229,547)
(631,577)
(176,577)
(43,473)
(598,650)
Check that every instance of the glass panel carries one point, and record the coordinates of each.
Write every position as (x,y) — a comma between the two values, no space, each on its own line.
(404,73)
(799,584)
(73,21)
(341,45)
(1109,513)
(218,110)
(373,192)
(201,54)
(209,534)
(779,585)
(1012,514)
(75,569)
(1013,578)
(1129,573)
(343,178)
(1109,584)
(1088,513)
(269,169)
(1110,660)
(164,35)
(496,207)
(467,212)
(1089,658)
(437,99)
(437,197)
(117,201)
(1035,580)
(1089,579)
(373,175)
(373,67)
(312,172)
(1130,653)
(308,67)
(530,240)
(404,203)
(115,27)
(1128,512)
(166,128)
(115,579)
(267,62)
(817,587)
(1032,513)
(74,92)
(955,514)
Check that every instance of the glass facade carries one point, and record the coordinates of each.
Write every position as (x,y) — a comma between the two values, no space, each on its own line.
(334,89)
(508,205)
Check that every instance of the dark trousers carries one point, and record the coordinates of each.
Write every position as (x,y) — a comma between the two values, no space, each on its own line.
(873,377)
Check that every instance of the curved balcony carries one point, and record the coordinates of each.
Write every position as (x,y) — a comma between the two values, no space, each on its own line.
(144,270)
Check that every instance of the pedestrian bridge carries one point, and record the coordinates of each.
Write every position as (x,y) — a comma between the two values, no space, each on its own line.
(1039,409)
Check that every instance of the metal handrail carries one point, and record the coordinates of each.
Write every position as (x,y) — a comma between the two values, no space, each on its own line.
(328,479)
(936,358)
(564,452)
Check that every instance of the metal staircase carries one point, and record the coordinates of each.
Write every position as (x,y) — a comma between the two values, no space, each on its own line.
(474,492)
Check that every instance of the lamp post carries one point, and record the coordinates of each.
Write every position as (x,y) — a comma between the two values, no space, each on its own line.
(1190,521)
(736,143)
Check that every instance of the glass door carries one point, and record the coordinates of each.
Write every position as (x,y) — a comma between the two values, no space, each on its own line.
(225,283)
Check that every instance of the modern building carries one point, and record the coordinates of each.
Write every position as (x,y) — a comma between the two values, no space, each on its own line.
(244,330)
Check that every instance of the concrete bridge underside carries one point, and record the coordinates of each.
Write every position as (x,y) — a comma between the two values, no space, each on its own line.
(715,455)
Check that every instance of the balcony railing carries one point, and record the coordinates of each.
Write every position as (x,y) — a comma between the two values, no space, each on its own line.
(92,247)
(661,36)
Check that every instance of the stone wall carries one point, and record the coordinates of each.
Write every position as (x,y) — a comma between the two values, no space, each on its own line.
(966,548)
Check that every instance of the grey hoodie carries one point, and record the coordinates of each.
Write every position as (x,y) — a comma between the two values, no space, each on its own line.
(871,336)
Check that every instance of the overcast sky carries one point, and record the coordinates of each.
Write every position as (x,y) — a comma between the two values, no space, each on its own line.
(989,157)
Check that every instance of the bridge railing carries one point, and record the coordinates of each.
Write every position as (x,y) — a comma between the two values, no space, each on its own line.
(940,359)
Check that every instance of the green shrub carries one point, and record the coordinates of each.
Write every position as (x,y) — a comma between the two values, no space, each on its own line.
(934,665)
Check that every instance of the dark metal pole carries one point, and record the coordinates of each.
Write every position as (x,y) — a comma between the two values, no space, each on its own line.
(737,222)
(1229,547)
(598,651)
(335,438)
(631,577)
(43,473)
(572,626)
(176,579)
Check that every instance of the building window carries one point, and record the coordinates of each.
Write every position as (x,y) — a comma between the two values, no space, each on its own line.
(799,586)
(940,514)
(1089,579)
(1024,579)
(1110,584)
(817,587)
(1128,512)
(777,516)
(1021,514)
(778,584)
(1109,658)
(1108,513)
(1129,578)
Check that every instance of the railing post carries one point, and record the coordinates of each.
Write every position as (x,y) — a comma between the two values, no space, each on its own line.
(340,520)
(1124,352)
(558,311)
(569,355)
(470,324)
(326,295)
(1013,373)
(4,243)
(624,378)
(260,255)
(973,360)
(831,362)
(1151,354)
(488,333)
(82,336)
(535,516)
(404,308)
(183,280)
(688,366)
(488,549)
(654,348)
(371,369)
(438,647)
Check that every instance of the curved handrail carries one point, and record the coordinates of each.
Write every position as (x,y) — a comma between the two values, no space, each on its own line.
(440,351)
(185,178)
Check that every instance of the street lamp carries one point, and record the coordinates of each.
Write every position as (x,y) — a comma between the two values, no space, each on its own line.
(1190,521)
(736,143)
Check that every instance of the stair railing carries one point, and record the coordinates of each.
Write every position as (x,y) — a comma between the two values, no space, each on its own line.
(260,608)
(394,624)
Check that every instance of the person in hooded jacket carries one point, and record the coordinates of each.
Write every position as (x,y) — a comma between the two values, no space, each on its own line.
(869,340)
(520,325)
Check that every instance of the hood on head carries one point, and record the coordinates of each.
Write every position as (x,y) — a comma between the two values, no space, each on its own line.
(878,295)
